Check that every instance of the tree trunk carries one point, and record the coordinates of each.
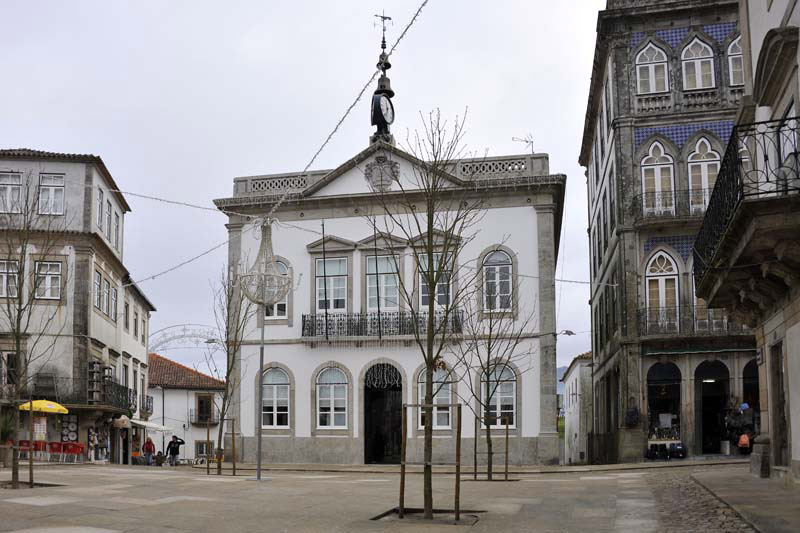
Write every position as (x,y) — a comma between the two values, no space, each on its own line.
(487,421)
(15,451)
(221,432)
(428,455)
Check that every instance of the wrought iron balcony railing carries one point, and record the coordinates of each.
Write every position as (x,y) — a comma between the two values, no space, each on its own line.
(384,324)
(82,391)
(670,204)
(203,417)
(146,404)
(685,320)
(760,163)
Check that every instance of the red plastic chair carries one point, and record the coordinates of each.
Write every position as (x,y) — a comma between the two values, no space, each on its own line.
(71,451)
(24,447)
(81,452)
(40,450)
(56,451)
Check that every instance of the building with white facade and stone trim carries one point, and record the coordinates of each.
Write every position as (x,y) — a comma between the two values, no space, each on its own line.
(578,415)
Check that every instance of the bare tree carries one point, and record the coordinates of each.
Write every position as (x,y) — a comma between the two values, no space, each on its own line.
(232,313)
(33,229)
(438,214)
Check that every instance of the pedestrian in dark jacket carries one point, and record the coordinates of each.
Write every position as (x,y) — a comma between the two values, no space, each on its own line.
(174,449)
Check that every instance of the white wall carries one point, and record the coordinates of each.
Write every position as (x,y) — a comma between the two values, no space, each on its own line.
(172,410)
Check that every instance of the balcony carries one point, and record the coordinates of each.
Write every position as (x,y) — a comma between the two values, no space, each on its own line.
(653,103)
(657,206)
(145,405)
(81,392)
(746,253)
(204,417)
(687,320)
(378,325)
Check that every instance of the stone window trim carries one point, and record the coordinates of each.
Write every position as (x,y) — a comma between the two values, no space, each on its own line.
(318,431)
(288,320)
(287,432)
(335,247)
(398,253)
(638,60)
(706,41)
(414,414)
(35,259)
(416,289)
(514,312)
(515,429)
(730,47)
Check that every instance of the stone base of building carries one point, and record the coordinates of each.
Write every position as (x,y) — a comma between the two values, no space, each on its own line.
(333,450)
(760,457)
(631,443)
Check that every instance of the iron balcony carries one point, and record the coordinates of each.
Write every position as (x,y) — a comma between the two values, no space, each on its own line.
(670,204)
(84,392)
(146,405)
(687,320)
(204,417)
(383,324)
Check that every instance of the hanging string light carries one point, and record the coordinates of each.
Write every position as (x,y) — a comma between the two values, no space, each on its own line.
(264,283)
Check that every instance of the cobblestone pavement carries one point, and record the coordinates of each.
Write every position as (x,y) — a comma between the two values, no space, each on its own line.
(685,505)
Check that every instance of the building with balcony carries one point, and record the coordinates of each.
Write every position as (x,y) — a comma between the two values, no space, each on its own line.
(666,82)
(188,402)
(342,354)
(85,321)
(747,253)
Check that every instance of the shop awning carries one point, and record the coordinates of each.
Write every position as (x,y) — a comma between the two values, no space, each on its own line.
(151,426)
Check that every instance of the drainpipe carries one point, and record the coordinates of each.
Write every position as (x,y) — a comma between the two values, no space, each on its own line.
(163,422)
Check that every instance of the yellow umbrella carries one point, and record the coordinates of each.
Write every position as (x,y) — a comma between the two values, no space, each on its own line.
(44,406)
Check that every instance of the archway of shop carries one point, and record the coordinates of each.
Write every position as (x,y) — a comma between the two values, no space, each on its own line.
(664,403)
(712,387)
(751,395)
(383,414)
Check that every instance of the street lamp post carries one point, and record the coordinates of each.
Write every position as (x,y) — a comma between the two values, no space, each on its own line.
(264,285)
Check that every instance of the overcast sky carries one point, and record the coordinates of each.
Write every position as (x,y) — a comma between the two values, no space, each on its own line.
(178,98)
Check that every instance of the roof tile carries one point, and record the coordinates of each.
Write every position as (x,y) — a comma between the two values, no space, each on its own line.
(169,374)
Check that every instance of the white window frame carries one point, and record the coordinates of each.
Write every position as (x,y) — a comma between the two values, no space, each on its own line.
(272,389)
(135,324)
(446,283)
(108,219)
(707,162)
(278,310)
(127,316)
(100,207)
(378,280)
(331,388)
(10,192)
(116,230)
(661,313)
(651,66)
(114,298)
(106,296)
(328,288)
(498,422)
(492,273)
(50,185)
(735,55)
(48,284)
(6,378)
(444,395)
(98,289)
(659,164)
(697,66)
(9,270)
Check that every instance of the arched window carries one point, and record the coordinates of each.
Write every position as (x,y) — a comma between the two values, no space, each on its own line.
(332,399)
(278,310)
(698,66)
(275,399)
(651,70)
(657,182)
(497,286)
(662,294)
(499,397)
(735,63)
(703,169)
(442,395)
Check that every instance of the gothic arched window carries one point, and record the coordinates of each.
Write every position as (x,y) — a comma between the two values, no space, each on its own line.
(657,181)
(698,66)
(661,279)
(651,70)
(735,62)
(703,169)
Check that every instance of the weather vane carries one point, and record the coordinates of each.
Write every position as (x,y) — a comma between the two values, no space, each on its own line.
(383,18)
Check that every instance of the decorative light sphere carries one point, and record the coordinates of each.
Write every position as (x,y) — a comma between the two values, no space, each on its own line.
(264,283)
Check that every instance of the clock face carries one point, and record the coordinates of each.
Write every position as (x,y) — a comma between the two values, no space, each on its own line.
(387,109)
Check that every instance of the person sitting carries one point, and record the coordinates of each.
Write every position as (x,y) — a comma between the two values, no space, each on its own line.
(160,458)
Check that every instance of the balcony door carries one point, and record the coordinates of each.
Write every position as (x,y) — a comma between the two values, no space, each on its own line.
(703,169)
(662,294)
(657,182)
(205,407)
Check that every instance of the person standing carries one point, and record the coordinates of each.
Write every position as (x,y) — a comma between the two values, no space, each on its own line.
(149,449)
(174,449)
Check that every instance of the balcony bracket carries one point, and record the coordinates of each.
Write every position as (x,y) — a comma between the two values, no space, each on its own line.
(766,287)
(788,250)
(779,270)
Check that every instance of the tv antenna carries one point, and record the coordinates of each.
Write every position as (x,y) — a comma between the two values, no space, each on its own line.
(528,140)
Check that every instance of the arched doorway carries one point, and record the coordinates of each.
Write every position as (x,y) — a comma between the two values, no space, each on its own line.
(383,415)
(712,386)
(664,402)
(751,395)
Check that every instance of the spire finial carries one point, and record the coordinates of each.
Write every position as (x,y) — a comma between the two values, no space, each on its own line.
(383,62)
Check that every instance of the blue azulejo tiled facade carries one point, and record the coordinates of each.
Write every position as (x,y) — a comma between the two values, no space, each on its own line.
(680,133)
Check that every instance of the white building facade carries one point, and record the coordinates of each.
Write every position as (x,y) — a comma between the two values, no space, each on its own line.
(577,409)
(334,380)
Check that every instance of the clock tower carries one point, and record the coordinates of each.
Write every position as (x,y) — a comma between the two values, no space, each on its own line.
(382,110)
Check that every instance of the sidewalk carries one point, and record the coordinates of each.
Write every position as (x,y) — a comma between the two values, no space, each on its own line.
(248,468)
(768,504)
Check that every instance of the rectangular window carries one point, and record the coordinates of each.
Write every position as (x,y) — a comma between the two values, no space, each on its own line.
(8,279)
(135,324)
(203,448)
(124,380)
(135,380)
(331,284)
(736,69)
(108,219)
(114,304)
(144,330)
(382,283)
(441,396)
(612,217)
(8,368)
(502,404)
(97,289)
(205,403)
(127,316)
(105,296)
(100,208)
(48,280)
(116,231)
(51,194)
(278,309)
(442,290)
(10,192)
